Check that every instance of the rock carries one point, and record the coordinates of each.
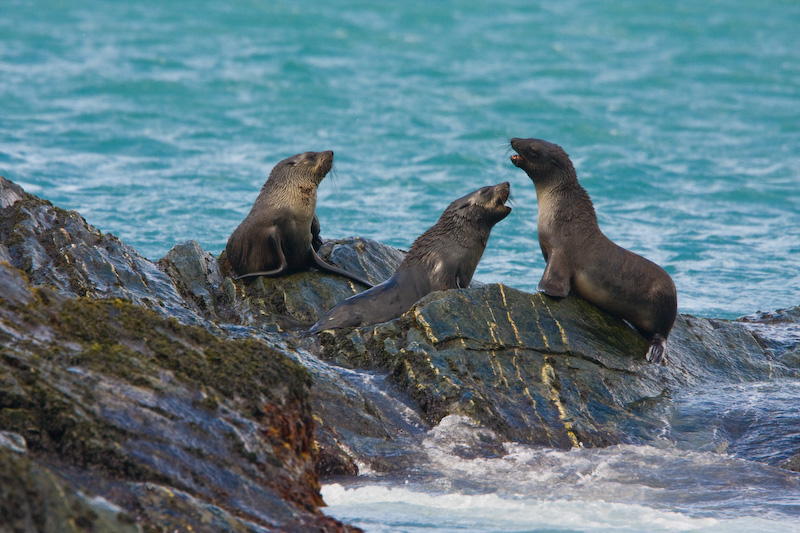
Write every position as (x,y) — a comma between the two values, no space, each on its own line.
(779,333)
(110,394)
(111,385)
(58,249)
(187,398)
(542,371)
(792,464)
(196,274)
(36,499)
(274,304)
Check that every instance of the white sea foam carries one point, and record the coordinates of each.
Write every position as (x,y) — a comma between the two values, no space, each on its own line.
(399,509)
(474,482)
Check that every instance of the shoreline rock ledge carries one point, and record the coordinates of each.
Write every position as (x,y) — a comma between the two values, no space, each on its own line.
(154,396)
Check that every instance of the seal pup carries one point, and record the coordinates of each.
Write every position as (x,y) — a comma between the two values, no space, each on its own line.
(280,235)
(581,260)
(444,257)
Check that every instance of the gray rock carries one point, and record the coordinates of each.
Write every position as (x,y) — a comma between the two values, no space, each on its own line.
(37,499)
(543,371)
(105,389)
(58,249)
(792,464)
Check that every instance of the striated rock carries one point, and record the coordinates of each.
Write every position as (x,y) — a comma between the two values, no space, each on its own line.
(543,371)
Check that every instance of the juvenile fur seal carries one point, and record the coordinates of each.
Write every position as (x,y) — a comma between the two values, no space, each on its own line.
(444,257)
(582,260)
(280,235)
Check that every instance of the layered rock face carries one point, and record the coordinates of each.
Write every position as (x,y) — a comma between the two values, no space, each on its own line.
(146,395)
(122,406)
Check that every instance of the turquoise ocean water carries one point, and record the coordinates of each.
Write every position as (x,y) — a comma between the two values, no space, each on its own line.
(160,120)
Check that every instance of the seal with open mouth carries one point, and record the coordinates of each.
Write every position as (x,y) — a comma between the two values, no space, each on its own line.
(444,257)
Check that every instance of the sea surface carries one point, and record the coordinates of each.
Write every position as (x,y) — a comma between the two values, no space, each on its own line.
(160,120)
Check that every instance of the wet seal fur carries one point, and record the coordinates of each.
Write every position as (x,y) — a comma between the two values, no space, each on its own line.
(280,235)
(444,257)
(581,260)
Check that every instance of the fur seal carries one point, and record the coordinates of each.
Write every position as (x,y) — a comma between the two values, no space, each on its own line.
(280,235)
(581,260)
(444,257)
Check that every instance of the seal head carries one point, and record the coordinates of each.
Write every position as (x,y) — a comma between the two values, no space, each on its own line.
(544,162)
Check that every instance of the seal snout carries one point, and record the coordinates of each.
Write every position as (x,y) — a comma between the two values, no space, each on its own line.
(519,146)
(503,191)
(324,162)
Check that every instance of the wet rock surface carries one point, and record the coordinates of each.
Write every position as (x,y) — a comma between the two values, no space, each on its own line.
(112,384)
(188,399)
(543,371)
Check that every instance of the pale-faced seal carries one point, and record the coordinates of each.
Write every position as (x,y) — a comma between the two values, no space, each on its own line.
(582,260)
(280,235)
(444,257)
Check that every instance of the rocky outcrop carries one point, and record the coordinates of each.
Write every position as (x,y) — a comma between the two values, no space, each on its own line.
(110,385)
(187,399)
(542,371)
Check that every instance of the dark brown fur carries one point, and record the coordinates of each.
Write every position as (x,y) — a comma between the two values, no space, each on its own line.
(280,235)
(581,260)
(444,257)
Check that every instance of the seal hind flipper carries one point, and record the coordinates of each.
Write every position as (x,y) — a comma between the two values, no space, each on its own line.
(381,303)
(322,265)
(275,241)
(556,278)
(657,349)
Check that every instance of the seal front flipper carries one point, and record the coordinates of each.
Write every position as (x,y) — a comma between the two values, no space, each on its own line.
(462,280)
(655,353)
(322,265)
(274,241)
(316,240)
(556,278)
